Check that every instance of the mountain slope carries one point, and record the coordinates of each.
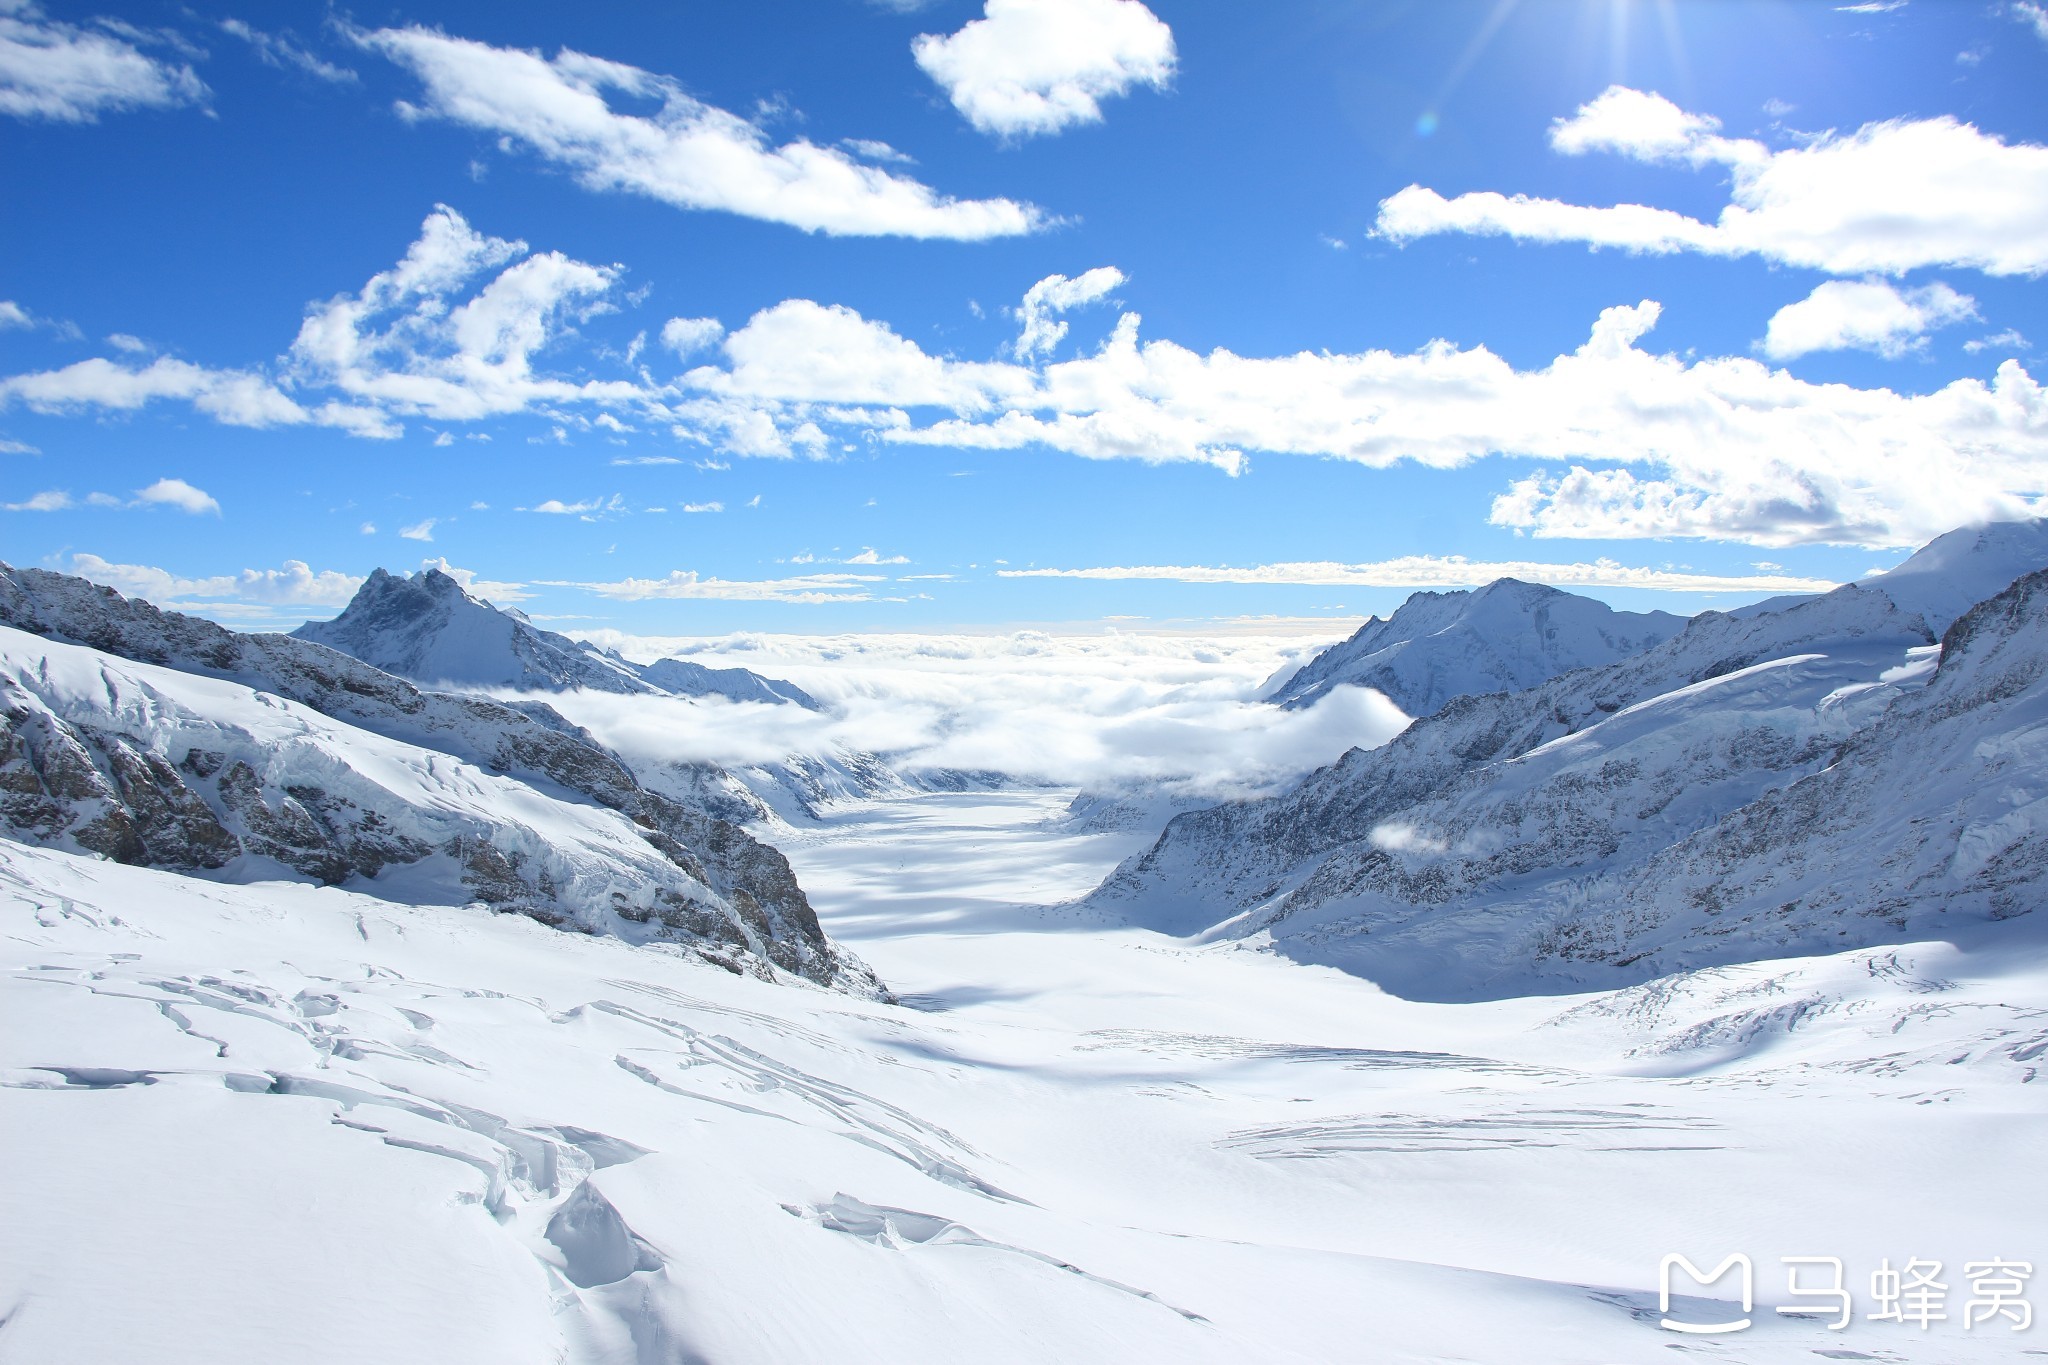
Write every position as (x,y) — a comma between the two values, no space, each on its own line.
(1806,781)
(428,628)
(1951,573)
(95,758)
(1211,866)
(1503,637)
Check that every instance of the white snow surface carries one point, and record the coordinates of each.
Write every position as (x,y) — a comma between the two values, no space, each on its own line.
(1503,637)
(276,1122)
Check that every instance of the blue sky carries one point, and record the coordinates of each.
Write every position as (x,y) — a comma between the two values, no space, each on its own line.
(1675,303)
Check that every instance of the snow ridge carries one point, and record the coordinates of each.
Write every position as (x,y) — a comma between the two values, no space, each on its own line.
(118,737)
(1503,637)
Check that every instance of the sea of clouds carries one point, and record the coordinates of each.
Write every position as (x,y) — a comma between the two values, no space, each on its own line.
(1110,712)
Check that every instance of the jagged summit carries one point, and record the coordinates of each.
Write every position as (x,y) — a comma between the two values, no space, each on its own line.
(429,628)
(118,738)
(1502,637)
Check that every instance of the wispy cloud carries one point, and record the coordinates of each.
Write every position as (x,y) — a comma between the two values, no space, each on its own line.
(688,154)
(72,73)
(1443,571)
(281,50)
(419,530)
(808,589)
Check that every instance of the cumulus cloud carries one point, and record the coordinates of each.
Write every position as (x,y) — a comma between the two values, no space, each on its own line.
(687,336)
(451,331)
(72,73)
(179,494)
(1442,571)
(296,584)
(1030,67)
(1730,448)
(688,154)
(2033,16)
(1864,315)
(1887,198)
(419,530)
(1106,711)
(809,589)
(1053,295)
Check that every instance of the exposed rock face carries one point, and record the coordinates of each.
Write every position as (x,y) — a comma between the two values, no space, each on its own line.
(92,768)
(1504,637)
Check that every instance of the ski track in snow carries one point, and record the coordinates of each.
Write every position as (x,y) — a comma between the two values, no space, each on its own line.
(277,1122)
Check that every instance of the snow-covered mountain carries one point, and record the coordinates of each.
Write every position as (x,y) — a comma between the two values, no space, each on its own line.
(428,628)
(1490,792)
(158,739)
(1503,637)
(1803,780)
(1952,573)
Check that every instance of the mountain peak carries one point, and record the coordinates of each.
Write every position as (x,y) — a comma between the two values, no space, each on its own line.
(1503,636)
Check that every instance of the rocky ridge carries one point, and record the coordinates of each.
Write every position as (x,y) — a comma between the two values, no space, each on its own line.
(104,768)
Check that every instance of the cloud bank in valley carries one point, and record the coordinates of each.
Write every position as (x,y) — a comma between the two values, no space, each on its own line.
(1104,712)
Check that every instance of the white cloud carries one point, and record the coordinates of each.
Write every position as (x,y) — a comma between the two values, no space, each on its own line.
(49,500)
(1731,448)
(2034,16)
(687,336)
(1443,571)
(280,51)
(179,494)
(819,353)
(2007,340)
(809,589)
(369,528)
(426,337)
(873,149)
(419,530)
(297,583)
(1872,7)
(868,555)
(1107,710)
(1037,66)
(239,398)
(70,74)
(703,507)
(1053,295)
(491,590)
(17,448)
(13,315)
(1864,315)
(1887,198)
(688,154)
(590,509)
